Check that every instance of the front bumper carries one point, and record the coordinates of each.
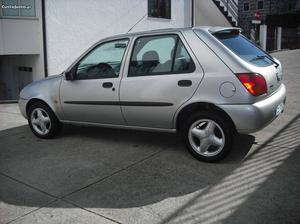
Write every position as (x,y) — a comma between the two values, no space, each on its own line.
(254,117)
(22,106)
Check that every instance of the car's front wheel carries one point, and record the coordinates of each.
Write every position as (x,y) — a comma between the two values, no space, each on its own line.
(208,136)
(42,121)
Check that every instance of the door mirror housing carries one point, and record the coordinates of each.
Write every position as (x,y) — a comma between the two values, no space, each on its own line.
(70,75)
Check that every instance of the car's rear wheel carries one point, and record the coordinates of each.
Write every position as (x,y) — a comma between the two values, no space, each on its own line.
(208,136)
(42,121)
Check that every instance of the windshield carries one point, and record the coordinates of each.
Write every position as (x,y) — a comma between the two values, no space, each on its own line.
(245,49)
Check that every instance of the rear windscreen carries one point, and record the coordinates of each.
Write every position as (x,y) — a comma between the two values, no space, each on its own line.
(245,49)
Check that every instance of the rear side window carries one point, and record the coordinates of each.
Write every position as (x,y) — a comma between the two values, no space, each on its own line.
(245,49)
(159,55)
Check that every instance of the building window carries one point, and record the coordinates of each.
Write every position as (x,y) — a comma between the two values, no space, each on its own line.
(260,4)
(159,8)
(18,8)
(246,6)
(25,69)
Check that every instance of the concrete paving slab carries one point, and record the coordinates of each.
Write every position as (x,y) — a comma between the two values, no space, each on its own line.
(10,119)
(290,59)
(17,199)
(148,192)
(10,108)
(170,188)
(291,71)
(276,199)
(79,157)
(268,132)
(258,191)
(61,212)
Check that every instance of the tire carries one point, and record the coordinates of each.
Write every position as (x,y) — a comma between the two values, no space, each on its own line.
(208,136)
(42,121)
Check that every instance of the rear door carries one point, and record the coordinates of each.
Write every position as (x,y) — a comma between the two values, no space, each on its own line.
(162,74)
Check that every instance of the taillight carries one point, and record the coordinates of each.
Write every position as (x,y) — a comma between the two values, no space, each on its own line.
(254,83)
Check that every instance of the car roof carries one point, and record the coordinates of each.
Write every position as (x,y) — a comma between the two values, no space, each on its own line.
(210,29)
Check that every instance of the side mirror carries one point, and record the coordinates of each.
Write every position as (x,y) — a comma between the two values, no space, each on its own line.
(70,75)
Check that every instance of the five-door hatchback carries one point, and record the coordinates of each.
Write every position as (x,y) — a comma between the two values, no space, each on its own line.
(206,83)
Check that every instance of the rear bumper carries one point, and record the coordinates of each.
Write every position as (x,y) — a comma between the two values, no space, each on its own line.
(253,117)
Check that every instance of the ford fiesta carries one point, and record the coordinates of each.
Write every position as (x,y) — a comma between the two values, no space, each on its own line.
(206,83)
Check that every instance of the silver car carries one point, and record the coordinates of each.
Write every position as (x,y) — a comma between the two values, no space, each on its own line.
(205,83)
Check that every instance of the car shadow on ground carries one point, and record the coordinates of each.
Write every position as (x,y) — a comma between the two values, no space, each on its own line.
(124,168)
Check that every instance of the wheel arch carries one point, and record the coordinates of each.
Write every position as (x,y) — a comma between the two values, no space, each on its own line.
(37,100)
(195,107)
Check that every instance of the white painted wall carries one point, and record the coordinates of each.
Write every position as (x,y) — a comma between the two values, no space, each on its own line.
(22,36)
(208,14)
(21,44)
(1,38)
(73,26)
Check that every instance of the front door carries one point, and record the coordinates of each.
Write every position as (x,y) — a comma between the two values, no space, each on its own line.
(162,75)
(93,96)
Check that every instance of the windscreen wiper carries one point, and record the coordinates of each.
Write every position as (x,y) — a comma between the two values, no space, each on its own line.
(263,57)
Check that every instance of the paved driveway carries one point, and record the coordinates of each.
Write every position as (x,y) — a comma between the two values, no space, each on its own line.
(97,175)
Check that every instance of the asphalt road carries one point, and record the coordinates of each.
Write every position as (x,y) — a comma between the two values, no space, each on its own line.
(97,175)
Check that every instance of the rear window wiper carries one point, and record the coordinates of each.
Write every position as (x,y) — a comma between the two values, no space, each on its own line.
(263,57)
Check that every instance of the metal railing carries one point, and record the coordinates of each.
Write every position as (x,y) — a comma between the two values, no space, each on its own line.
(231,7)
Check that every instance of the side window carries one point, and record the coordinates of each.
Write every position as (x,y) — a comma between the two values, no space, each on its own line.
(159,55)
(104,61)
(182,61)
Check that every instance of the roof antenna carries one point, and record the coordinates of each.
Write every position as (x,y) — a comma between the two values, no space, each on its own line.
(137,22)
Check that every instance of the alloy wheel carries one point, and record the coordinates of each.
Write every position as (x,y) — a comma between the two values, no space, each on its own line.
(206,137)
(40,121)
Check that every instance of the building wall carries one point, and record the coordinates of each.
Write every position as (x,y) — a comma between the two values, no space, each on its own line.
(207,14)
(22,35)
(1,38)
(73,26)
(11,79)
(245,17)
(21,44)
(270,7)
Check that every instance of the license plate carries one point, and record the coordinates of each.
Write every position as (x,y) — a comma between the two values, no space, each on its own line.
(279,109)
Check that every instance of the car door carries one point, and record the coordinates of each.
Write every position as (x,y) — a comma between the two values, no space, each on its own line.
(93,94)
(162,74)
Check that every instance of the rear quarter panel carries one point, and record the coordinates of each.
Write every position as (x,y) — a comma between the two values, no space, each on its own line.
(216,72)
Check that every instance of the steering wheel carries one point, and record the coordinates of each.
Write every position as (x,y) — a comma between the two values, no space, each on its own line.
(102,70)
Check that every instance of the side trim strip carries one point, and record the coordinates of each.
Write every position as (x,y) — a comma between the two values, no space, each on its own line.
(118,126)
(121,103)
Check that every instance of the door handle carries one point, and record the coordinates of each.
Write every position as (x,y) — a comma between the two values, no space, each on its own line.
(184,83)
(107,84)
